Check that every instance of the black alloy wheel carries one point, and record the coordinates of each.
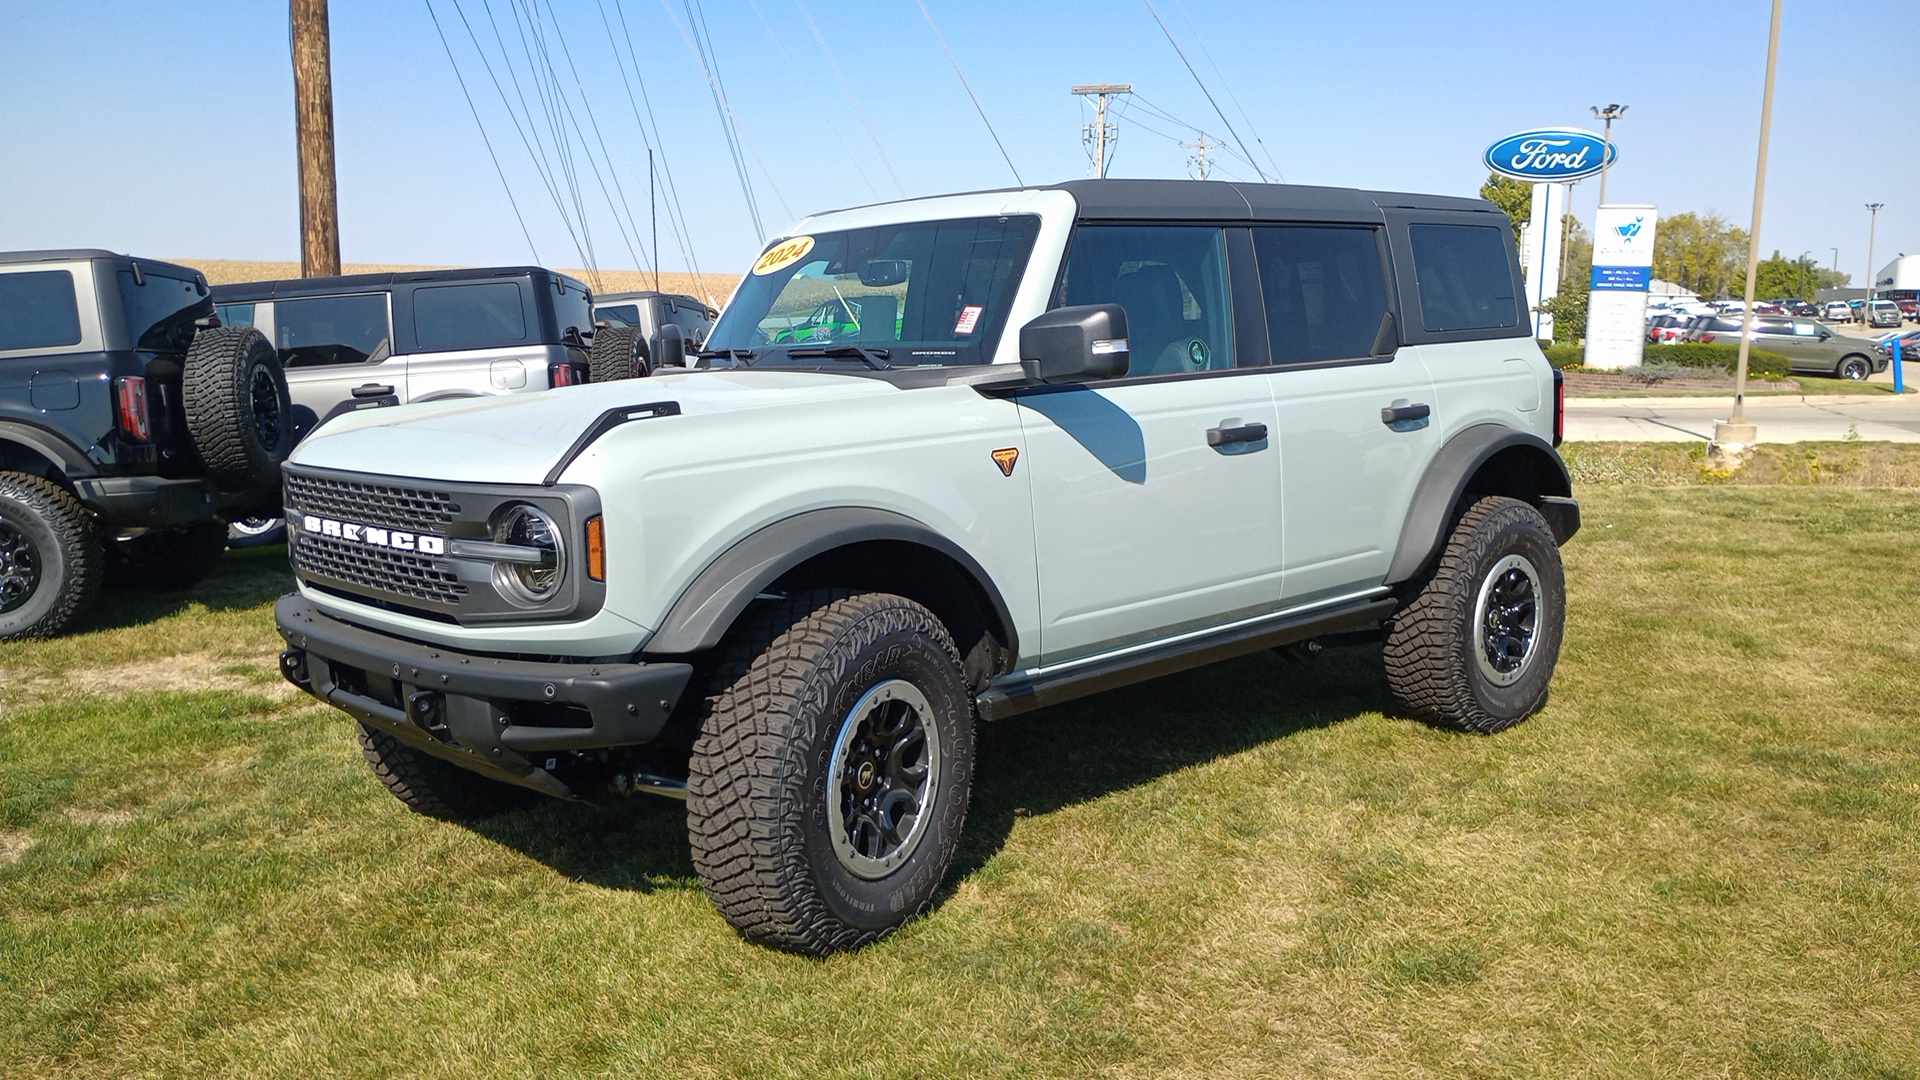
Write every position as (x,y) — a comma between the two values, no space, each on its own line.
(19,567)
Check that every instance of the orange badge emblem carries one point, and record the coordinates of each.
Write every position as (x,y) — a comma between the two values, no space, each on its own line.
(1005,459)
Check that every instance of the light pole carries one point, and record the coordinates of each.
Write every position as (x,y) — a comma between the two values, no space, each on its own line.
(1873,220)
(1733,438)
(1609,115)
(1802,260)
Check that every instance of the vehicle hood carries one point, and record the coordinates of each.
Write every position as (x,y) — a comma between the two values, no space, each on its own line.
(519,438)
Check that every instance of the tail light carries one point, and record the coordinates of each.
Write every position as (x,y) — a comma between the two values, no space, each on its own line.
(130,391)
(1706,338)
(562,374)
(1559,406)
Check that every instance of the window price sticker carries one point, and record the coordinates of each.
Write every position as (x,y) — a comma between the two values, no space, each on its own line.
(969,317)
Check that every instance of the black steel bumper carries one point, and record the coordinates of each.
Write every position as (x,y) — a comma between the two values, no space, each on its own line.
(491,715)
(149,502)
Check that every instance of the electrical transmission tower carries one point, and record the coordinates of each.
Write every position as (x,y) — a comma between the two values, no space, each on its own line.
(1199,159)
(1100,136)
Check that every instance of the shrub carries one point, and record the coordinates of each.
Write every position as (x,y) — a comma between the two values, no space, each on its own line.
(1715,356)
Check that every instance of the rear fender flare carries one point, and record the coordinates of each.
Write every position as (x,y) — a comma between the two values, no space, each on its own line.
(1449,475)
(56,450)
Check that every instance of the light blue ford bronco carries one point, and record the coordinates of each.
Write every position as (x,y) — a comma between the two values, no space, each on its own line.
(1080,436)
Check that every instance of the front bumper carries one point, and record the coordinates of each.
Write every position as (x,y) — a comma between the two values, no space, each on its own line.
(491,715)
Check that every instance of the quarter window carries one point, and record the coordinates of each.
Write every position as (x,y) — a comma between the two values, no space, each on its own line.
(469,316)
(1171,279)
(161,310)
(330,329)
(37,310)
(1465,280)
(1325,291)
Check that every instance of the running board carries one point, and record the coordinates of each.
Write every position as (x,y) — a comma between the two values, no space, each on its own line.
(1001,702)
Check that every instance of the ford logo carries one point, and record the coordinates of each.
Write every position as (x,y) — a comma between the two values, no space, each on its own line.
(1550,155)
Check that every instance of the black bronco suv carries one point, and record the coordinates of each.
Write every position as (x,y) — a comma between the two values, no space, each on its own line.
(131,423)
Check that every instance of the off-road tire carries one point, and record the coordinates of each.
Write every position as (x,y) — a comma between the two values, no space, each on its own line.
(238,411)
(615,355)
(435,788)
(1854,368)
(166,560)
(758,813)
(1431,651)
(54,536)
(253,532)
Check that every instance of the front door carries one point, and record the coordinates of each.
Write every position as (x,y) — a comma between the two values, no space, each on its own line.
(1156,498)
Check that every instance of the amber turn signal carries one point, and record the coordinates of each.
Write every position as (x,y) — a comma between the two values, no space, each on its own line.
(596,549)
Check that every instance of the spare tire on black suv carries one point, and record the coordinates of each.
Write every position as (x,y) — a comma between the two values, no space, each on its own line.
(132,426)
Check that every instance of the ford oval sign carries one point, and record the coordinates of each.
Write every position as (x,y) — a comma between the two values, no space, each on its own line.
(1550,155)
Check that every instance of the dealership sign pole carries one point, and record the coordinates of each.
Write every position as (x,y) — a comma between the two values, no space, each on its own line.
(1551,159)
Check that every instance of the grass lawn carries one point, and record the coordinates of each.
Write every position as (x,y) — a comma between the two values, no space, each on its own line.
(1703,859)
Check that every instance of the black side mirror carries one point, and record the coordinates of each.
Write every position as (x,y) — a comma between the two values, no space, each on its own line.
(669,348)
(1076,344)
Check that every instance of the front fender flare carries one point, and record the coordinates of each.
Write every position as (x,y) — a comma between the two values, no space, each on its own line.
(709,606)
(1446,481)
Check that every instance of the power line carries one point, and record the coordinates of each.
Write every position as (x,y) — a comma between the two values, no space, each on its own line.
(818,107)
(963,82)
(483,132)
(844,85)
(676,220)
(1203,89)
(633,227)
(728,126)
(1231,96)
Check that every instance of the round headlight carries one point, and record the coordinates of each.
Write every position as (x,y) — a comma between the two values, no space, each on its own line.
(530,582)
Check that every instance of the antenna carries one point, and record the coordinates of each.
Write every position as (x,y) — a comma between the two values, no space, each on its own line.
(1100,135)
(1199,158)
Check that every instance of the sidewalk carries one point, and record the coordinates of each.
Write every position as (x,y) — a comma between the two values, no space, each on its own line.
(1780,419)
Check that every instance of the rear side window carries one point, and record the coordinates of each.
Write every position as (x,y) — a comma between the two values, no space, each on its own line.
(469,316)
(1325,292)
(1465,281)
(330,329)
(620,314)
(161,310)
(37,310)
(571,308)
(234,314)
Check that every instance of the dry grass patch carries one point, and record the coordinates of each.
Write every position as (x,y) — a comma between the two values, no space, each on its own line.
(1853,464)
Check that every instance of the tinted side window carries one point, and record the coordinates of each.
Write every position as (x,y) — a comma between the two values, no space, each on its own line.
(330,329)
(37,310)
(161,312)
(234,314)
(1325,291)
(1172,279)
(571,309)
(469,316)
(1465,283)
(620,314)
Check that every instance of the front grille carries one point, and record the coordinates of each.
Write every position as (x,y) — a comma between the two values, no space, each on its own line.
(390,506)
(394,573)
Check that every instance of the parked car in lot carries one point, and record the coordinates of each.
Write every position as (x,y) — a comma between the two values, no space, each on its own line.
(1909,342)
(645,316)
(1885,313)
(369,339)
(1111,429)
(1909,307)
(1666,328)
(1809,347)
(1836,311)
(131,424)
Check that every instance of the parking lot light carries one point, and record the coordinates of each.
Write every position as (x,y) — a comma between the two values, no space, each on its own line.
(1873,221)
(1609,115)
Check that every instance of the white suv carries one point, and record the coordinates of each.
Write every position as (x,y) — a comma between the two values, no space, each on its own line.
(1065,439)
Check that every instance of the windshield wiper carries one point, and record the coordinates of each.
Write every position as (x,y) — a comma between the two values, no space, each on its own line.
(736,357)
(873,358)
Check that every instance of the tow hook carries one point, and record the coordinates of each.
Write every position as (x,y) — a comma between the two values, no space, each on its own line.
(293,666)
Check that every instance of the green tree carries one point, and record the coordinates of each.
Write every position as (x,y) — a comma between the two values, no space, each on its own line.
(1513,196)
(1569,311)
(1704,254)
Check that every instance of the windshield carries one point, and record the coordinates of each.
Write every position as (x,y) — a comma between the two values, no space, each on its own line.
(925,292)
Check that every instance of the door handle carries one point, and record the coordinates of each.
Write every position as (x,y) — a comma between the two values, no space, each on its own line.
(371,390)
(1394,414)
(1221,436)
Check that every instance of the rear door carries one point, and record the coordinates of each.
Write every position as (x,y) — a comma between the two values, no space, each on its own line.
(1350,467)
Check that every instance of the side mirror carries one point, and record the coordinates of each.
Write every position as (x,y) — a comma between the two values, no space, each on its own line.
(1076,344)
(669,348)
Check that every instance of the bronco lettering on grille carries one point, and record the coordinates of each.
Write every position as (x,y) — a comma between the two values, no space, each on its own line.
(373,536)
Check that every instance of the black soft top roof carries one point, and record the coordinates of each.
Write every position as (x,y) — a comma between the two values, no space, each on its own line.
(316,286)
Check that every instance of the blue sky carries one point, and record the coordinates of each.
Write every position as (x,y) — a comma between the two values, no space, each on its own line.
(166,129)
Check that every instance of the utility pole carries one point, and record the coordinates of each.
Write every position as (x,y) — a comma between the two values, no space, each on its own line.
(1608,114)
(1099,134)
(313,134)
(1873,221)
(1199,158)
